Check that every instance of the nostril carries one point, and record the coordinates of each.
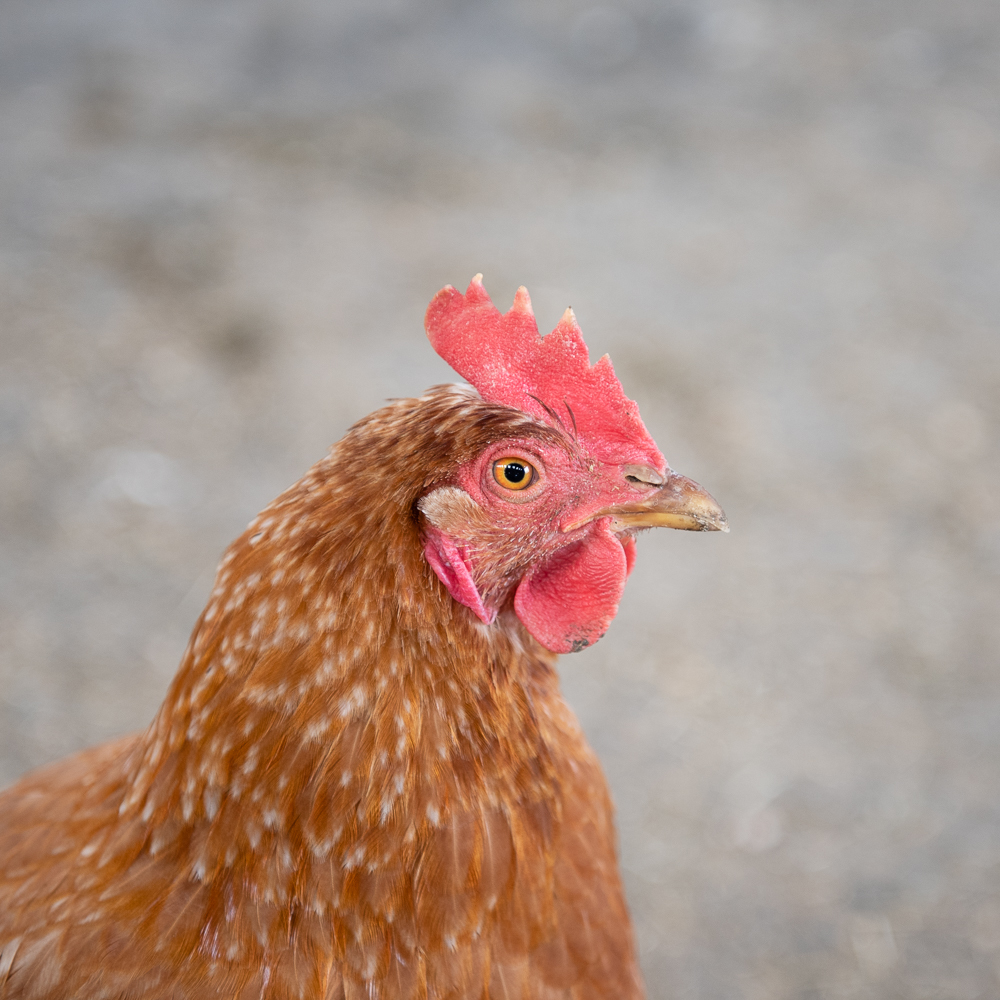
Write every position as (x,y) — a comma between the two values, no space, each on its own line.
(642,475)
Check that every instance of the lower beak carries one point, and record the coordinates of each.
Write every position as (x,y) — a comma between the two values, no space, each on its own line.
(679,503)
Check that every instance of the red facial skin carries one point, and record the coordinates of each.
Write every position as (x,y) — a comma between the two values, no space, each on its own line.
(523,546)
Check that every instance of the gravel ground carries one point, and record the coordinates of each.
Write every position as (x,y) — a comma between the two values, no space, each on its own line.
(220,224)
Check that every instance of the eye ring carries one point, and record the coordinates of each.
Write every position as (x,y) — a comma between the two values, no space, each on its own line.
(514,473)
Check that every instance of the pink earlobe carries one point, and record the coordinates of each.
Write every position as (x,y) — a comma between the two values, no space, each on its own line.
(453,570)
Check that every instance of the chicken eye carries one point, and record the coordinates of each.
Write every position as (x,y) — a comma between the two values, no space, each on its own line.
(513,473)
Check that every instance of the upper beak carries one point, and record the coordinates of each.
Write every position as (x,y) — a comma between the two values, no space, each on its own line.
(679,503)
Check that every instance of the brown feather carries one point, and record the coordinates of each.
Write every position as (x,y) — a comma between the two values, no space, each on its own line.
(353,788)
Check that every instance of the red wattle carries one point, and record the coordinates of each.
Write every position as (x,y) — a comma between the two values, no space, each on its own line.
(568,602)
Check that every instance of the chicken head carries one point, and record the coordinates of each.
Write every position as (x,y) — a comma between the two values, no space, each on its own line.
(543,525)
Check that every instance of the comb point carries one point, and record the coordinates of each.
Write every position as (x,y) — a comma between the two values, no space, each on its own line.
(476,292)
(568,320)
(522,301)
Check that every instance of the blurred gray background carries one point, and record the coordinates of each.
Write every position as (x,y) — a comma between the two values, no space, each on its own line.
(220,225)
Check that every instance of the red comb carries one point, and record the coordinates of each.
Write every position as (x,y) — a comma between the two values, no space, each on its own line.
(551,378)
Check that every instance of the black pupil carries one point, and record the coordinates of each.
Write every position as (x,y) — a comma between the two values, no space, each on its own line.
(514,472)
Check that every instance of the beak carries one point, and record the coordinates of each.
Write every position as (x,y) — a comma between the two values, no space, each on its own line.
(679,503)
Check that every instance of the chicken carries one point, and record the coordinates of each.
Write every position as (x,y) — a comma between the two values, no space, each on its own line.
(363,781)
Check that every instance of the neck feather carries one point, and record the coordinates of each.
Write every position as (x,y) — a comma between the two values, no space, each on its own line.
(331,666)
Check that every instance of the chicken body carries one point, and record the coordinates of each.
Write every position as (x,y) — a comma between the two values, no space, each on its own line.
(363,781)
(353,789)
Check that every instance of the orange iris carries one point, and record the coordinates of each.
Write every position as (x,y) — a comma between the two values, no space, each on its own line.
(513,473)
